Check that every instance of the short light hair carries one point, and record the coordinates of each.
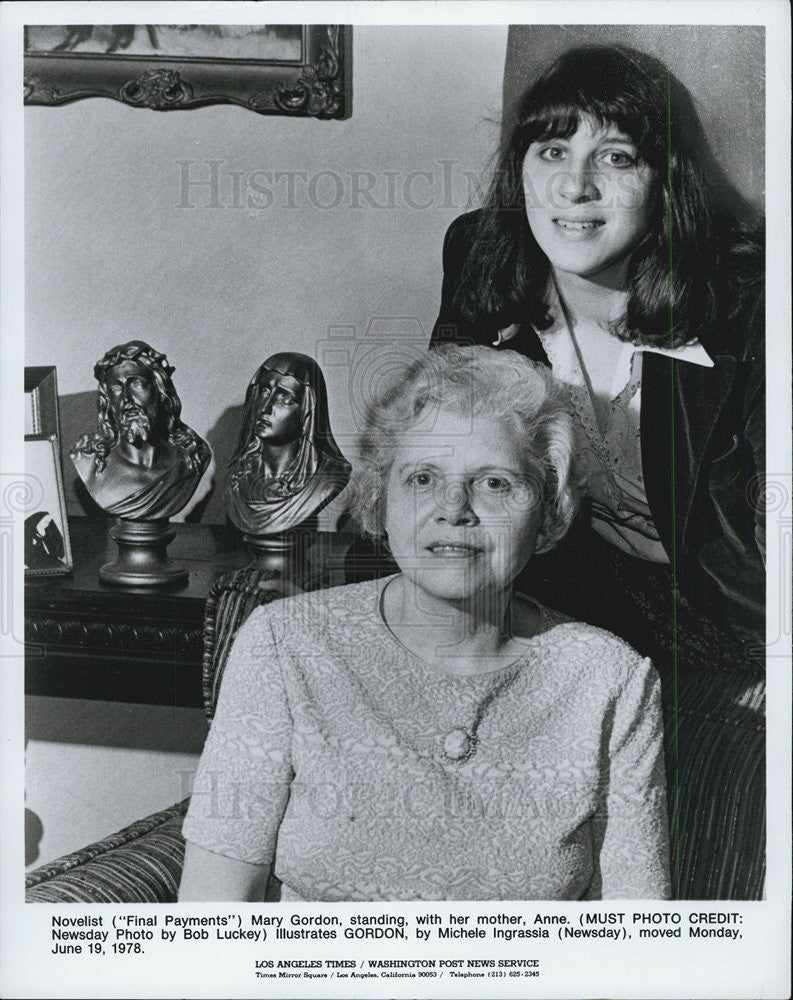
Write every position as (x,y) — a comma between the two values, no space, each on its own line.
(477,380)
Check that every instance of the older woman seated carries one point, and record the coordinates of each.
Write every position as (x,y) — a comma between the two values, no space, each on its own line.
(435,735)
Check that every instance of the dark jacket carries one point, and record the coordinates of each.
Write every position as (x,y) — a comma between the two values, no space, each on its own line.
(703,444)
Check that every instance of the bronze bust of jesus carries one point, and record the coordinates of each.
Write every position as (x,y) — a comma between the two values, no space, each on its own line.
(142,462)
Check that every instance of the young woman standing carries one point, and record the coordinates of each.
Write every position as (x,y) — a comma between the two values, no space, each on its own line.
(611,248)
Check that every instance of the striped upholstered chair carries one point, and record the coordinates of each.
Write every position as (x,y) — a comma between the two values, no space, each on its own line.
(143,862)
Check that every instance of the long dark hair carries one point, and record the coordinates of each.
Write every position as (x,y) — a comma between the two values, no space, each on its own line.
(703,237)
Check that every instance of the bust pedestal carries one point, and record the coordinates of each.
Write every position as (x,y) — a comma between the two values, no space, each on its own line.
(142,558)
(284,553)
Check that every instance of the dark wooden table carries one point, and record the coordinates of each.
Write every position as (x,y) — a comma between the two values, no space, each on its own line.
(87,639)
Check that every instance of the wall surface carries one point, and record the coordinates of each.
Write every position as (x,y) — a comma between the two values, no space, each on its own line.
(343,250)
(222,236)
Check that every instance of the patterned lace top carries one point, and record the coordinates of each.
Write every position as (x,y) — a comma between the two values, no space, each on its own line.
(363,773)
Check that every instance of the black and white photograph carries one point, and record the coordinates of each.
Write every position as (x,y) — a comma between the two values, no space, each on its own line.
(406,612)
(47,549)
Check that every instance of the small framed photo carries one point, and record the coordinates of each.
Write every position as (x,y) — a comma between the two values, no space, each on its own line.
(41,401)
(47,548)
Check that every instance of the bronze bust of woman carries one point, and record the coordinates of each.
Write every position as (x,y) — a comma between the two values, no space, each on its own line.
(287,466)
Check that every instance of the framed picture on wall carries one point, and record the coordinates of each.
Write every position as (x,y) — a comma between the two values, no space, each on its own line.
(279,69)
(47,548)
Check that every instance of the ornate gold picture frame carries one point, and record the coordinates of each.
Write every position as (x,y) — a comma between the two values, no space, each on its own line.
(300,70)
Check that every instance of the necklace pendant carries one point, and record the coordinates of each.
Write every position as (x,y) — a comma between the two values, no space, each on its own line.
(458,745)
